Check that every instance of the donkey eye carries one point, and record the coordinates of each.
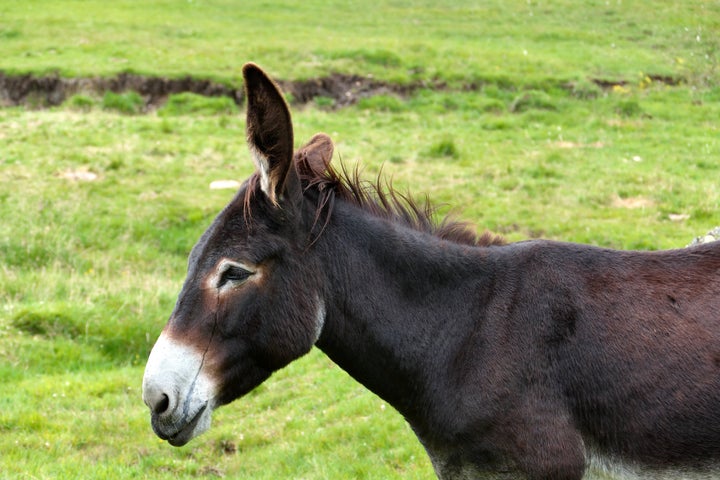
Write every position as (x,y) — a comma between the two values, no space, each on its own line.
(234,274)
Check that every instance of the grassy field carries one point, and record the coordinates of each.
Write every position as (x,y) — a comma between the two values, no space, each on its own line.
(100,208)
(511,42)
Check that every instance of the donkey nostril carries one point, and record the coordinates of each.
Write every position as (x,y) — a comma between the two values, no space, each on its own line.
(162,405)
(155,397)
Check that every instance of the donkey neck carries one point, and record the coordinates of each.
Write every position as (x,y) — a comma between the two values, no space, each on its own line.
(396,299)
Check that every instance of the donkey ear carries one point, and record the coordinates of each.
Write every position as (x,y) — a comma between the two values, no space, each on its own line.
(269,131)
(314,157)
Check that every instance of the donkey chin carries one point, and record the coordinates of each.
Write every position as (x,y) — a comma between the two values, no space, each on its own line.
(183,395)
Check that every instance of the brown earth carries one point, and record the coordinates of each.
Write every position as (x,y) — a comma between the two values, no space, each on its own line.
(50,90)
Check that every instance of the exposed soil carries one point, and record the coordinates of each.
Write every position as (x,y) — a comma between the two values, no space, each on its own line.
(342,89)
(52,90)
(664,79)
(43,91)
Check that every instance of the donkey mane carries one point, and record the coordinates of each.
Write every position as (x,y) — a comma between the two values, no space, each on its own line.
(380,199)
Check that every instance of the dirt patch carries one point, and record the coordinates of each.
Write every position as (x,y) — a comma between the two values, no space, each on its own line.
(342,89)
(41,91)
(632,202)
(51,90)
(81,175)
(606,84)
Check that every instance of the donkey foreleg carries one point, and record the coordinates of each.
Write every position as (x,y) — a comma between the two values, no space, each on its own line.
(544,443)
(531,444)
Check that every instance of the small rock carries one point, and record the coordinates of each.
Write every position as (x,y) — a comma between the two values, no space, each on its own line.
(79,175)
(712,236)
(678,217)
(224,185)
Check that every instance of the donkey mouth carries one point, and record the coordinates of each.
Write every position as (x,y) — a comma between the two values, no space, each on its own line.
(180,432)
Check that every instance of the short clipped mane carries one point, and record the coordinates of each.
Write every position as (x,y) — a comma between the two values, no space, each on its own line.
(381,200)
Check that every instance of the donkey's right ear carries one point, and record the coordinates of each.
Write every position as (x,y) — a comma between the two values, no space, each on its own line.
(269,132)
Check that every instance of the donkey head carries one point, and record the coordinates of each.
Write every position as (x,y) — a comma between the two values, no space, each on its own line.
(251,302)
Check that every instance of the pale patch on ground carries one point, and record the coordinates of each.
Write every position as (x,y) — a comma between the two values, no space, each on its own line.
(678,217)
(617,122)
(566,144)
(148,195)
(224,185)
(81,175)
(631,202)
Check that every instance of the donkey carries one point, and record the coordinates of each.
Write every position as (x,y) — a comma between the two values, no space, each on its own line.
(536,359)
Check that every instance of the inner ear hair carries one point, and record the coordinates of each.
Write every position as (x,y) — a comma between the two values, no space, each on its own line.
(269,131)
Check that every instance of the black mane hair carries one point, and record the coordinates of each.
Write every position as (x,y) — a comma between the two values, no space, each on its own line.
(382,200)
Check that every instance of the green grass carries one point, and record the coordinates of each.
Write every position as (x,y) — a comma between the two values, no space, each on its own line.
(100,208)
(128,103)
(88,424)
(91,267)
(193,104)
(496,41)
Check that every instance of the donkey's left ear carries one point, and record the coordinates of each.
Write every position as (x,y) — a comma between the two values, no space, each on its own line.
(269,133)
(313,158)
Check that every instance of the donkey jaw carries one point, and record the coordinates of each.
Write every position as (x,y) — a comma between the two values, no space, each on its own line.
(187,431)
(179,393)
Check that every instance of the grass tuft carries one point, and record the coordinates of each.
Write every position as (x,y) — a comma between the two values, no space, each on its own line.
(629,108)
(382,103)
(532,100)
(129,103)
(444,148)
(586,89)
(190,103)
(81,102)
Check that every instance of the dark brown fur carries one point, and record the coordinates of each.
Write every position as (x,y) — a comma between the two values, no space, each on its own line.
(516,360)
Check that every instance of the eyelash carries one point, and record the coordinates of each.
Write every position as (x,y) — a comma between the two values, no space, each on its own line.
(234,274)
